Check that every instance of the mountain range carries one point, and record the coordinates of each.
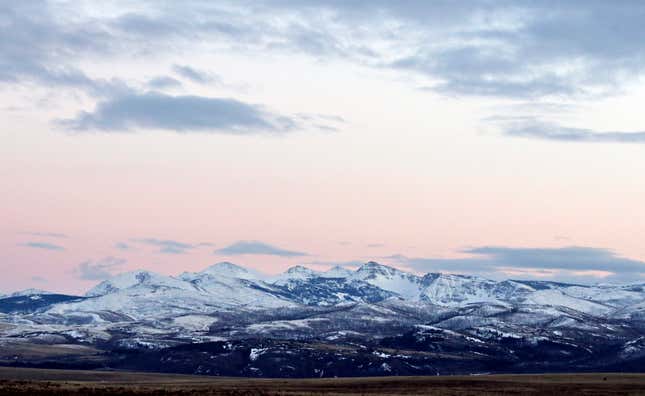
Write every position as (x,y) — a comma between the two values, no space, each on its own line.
(375,320)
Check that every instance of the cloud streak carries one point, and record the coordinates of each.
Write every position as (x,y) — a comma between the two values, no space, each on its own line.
(194,75)
(257,248)
(43,245)
(122,246)
(167,246)
(46,234)
(182,114)
(163,82)
(555,132)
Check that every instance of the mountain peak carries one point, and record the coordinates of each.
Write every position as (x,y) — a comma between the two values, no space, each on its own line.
(127,280)
(223,269)
(337,272)
(389,278)
(227,264)
(374,267)
(299,269)
(28,292)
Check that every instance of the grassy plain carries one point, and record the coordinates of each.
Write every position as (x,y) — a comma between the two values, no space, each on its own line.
(39,382)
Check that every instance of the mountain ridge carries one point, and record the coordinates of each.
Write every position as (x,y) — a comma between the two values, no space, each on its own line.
(460,317)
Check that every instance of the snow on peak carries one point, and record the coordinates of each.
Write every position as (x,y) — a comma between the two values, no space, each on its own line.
(28,292)
(457,290)
(373,268)
(132,279)
(297,272)
(391,279)
(301,272)
(230,270)
(337,272)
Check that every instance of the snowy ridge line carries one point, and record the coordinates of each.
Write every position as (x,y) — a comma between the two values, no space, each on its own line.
(224,286)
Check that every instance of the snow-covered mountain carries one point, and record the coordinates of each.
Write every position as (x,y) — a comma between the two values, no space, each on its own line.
(404,284)
(224,286)
(224,270)
(435,312)
(143,295)
(298,272)
(29,292)
(336,272)
(459,290)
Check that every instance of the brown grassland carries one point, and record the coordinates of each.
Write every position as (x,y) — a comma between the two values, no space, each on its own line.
(39,382)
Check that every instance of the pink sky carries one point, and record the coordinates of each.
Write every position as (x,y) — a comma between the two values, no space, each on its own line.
(361,131)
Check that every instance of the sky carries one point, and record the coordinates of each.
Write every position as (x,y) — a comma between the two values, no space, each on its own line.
(504,139)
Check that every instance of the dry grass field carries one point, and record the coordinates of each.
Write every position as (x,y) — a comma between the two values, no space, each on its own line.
(37,382)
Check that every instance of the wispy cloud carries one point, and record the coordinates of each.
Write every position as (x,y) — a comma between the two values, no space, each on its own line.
(322,122)
(163,82)
(549,131)
(257,248)
(167,246)
(123,246)
(195,75)
(99,270)
(46,234)
(42,245)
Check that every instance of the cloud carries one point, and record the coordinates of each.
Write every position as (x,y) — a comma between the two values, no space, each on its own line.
(322,122)
(184,114)
(99,270)
(522,50)
(163,82)
(123,246)
(43,40)
(506,48)
(197,76)
(167,246)
(42,245)
(256,247)
(37,278)
(205,244)
(570,258)
(516,50)
(573,262)
(547,131)
(46,234)
(375,245)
